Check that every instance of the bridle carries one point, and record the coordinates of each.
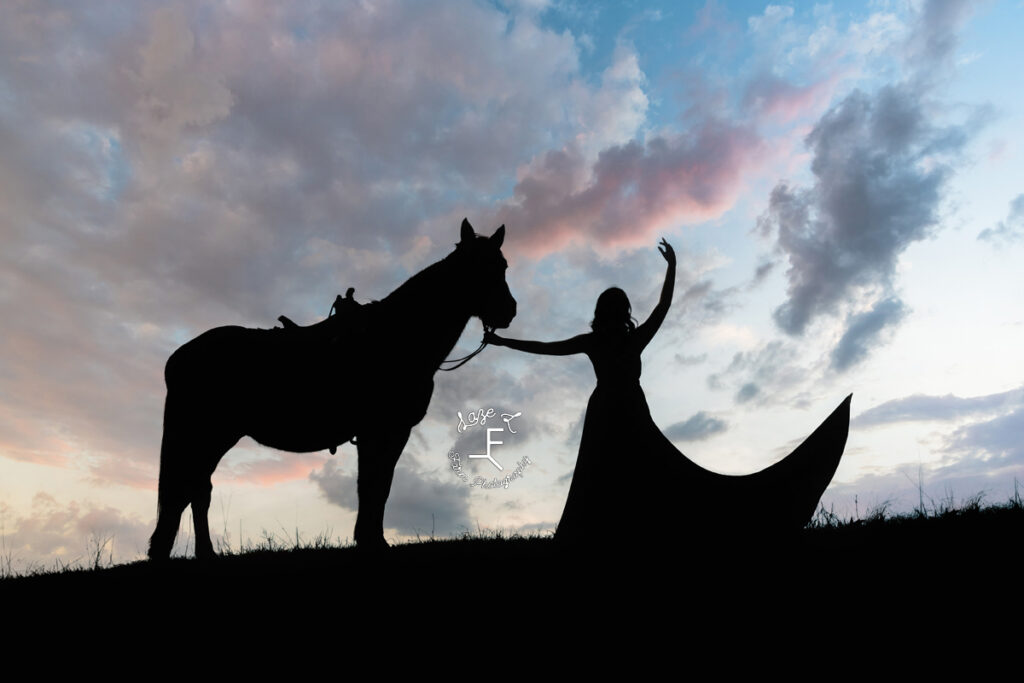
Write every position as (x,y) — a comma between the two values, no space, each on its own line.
(465,359)
(459,362)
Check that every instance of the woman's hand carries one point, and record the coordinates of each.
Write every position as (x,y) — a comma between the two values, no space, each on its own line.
(666,250)
(491,338)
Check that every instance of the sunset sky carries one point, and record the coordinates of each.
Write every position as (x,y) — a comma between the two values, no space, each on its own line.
(843,184)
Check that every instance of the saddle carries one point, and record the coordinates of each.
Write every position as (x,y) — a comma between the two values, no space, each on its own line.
(347,321)
(347,318)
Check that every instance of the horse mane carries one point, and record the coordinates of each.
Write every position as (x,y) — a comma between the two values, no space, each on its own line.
(419,285)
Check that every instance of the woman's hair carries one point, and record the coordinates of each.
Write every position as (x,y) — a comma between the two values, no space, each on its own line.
(612,313)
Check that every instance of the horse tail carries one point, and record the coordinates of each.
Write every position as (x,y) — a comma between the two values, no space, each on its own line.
(171,470)
(171,488)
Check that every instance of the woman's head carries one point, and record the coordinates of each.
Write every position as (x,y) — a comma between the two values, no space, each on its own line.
(612,313)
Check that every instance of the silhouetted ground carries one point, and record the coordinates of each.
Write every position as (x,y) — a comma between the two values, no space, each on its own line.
(868,575)
(913,592)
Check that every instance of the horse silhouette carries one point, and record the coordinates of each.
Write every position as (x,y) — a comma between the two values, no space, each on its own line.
(353,377)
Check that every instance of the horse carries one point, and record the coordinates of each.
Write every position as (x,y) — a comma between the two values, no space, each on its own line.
(306,389)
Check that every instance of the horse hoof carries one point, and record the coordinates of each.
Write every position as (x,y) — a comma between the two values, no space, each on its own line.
(159,553)
(376,545)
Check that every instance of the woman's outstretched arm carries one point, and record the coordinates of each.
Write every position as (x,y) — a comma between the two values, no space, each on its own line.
(650,326)
(566,347)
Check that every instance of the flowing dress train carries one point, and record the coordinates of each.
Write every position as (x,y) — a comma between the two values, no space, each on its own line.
(632,484)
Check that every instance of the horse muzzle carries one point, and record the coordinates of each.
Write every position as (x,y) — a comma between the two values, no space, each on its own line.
(501,319)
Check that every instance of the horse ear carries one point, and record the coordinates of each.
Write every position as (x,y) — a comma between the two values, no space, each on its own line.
(499,236)
(467,232)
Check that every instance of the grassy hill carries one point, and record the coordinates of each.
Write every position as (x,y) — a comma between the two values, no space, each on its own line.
(956,550)
(939,588)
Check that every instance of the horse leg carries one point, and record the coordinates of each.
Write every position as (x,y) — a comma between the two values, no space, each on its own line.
(192,446)
(378,454)
(200,519)
(216,444)
(169,510)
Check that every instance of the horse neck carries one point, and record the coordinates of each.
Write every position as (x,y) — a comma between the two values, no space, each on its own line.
(429,307)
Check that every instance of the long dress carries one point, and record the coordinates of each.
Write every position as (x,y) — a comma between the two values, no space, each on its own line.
(631,483)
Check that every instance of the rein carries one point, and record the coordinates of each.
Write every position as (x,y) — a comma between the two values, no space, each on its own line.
(465,359)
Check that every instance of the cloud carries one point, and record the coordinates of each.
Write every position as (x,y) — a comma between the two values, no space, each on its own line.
(747,392)
(761,273)
(176,88)
(632,190)
(874,195)
(1010,230)
(575,431)
(921,407)
(770,20)
(684,360)
(864,330)
(881,164)
(337,486)
(169,168)
(770,95)
(763,373)
(697,427)
(418,502)
(273,467)
(941,485)
(984,456)
(992,445)
(482,384)
(933,41)
(534,527)
(74,531)
(711,18)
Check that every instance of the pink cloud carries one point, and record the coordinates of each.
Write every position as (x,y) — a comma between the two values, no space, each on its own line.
(279,468)
(634,190)
(711,18)
(768,95)
(24,440)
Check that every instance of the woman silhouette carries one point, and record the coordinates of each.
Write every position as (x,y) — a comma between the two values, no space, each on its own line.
(619,437)
(632,484)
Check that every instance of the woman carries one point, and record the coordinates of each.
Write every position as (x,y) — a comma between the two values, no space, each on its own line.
(621,446)
(631,484)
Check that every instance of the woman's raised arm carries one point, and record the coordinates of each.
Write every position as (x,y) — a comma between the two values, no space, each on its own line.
(650,326)
(566,347)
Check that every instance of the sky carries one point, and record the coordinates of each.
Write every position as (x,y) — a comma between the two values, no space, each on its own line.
(843,184)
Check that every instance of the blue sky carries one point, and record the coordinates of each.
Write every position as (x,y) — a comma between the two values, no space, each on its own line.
(841,182)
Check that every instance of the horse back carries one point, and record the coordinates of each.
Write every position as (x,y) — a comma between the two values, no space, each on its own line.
(288,388)
(269,358)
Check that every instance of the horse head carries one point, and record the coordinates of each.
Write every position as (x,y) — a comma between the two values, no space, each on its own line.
(482,268)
